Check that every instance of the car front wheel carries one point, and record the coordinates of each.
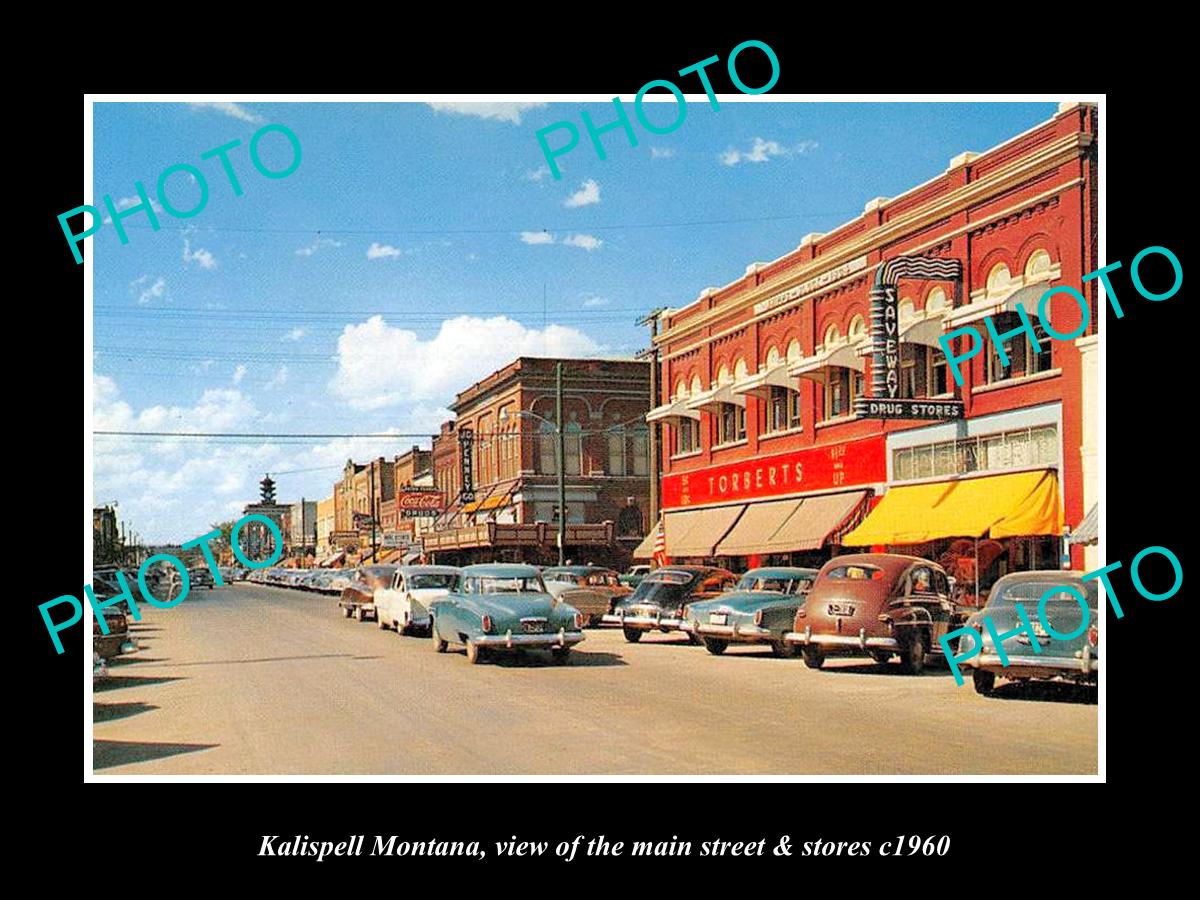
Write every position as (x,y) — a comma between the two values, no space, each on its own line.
(633,635)
(984,681)
(715,646)
(439,645)
(784,650)
(912,656)
(813,657)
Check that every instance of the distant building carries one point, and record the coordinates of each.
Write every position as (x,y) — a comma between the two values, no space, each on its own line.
(325,525)
(302,534)
(107,546)
(256,540)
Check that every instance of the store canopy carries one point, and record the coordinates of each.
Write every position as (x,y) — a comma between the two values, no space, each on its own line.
(817,520)
(760,384)
(754,530)
(1026,297)
(696,532)
(330,560)
(1023,503)
(710,400)
(817,367)
(923,330)
(645,550)
(676,409)
(1088,531)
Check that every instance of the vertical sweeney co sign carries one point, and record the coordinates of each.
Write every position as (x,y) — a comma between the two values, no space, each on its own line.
(466,446)
(884,401)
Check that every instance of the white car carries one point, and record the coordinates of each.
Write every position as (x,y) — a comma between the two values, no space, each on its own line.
(404,605)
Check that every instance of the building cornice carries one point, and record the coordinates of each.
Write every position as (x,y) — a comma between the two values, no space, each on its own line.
(1029,166)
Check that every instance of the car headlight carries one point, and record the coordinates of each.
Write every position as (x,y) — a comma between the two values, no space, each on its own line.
(578,620)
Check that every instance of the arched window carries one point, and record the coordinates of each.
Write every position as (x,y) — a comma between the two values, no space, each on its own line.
(998,278)
(697,385)
(639,449)
(572,448)
(681,389)
(832,336)
(793,351)
(858,328)
(547,449)
(935,302)
(907,309)
(723,376)
(773,359)
(739,369)
(615,438)
(1038,266)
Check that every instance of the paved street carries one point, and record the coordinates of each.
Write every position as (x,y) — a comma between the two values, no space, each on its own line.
(253,680)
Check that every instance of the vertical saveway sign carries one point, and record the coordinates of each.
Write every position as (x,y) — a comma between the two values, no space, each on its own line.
(884,400)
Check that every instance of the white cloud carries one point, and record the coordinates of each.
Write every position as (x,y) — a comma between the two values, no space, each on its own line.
(233,110)
(588,193)
(465,349)
(201,256)
(317,245)
(279,379)
(537,237)
(155,291)
(593,302)
(764,151)
(239,373)
(583,241)
(504,112)
(661,152)
(128,202)
(383,251)
(537,174)
(295,334)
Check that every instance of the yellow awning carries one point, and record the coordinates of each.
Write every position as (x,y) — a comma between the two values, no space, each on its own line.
(490,503)
(997,505)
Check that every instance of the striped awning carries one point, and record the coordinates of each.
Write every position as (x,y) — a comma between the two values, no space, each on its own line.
(1088,531)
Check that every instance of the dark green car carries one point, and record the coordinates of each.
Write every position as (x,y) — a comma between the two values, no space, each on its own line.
(1075,658)
(759,610)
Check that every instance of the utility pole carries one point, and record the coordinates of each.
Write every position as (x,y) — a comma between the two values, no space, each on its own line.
(652,320)
(562,460)
(374,545)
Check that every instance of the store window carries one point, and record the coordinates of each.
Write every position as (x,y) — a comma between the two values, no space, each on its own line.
(1023,359)
(731,423)
(783,409)
(1018,449)
(687,435)
(841,388)
(923,371)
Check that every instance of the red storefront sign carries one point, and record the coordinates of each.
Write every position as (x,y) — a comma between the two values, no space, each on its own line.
(815,469)
(419,503)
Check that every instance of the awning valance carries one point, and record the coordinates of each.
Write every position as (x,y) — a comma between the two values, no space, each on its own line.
(1088,531)
(696,532)
(676,409)
(1021,503)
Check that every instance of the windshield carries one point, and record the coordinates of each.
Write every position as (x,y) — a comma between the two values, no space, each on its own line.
(495,585)
(1030,592)
(774,584)
(431,580)
(662,588)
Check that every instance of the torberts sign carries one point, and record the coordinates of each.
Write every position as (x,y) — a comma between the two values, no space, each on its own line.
(849,464)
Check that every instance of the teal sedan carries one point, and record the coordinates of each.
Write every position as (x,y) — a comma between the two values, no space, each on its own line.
(759,610)
(503,607)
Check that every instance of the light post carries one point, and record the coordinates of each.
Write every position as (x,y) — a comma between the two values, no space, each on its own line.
(559,455)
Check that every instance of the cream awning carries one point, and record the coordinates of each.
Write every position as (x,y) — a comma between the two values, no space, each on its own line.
(760,384)
(1026,297)
(696,532)
(645,550)
(844,356)
(676,409)
(923,330)
(817,521)
(712,398)
(756,527)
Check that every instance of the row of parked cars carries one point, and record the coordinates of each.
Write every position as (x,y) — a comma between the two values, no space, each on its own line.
(882,606)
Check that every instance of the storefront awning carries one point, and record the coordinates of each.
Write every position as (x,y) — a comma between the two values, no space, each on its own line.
(1026,297)
(816,367)
(754,530)
(1022,503)
(817,521)
(709,400)
(330,560)
(696,532)
(676,409)
(760,385)
(924,330)
(492,502)
(1088,531)
(645,550)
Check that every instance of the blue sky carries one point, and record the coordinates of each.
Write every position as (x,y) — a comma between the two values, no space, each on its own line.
(406,257)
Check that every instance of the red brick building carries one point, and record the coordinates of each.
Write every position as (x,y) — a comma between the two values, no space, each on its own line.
(511,415)
(763,455)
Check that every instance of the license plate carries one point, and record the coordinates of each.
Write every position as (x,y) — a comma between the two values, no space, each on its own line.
(716,618)
(533,627)
(840,609)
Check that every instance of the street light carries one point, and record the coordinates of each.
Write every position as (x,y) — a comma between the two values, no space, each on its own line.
(560,454)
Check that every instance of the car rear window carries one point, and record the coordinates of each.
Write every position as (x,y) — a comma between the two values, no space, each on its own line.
(855,573)
(431,580)
(668,578)
(1028,593)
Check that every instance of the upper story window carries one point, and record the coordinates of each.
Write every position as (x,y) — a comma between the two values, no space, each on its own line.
(628,450)
(998,279)
(573,448)
(547,449)
(731,423)
(1023,359)
(1020,448)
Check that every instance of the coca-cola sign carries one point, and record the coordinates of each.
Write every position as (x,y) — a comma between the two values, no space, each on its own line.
(420,503)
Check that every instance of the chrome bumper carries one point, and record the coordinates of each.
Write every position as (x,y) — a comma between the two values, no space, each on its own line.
(735,632)
(859,640)
(646,623)
(508,640)
(1087,663)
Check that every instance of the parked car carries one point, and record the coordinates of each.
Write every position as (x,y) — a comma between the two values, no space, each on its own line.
(118,640)
(657,603)
(358,597)
(759,610)
(404,604)
(99,668)
(634,576)
(877,605)
(593,590)
(1072,659)
(503,607)
(199,577)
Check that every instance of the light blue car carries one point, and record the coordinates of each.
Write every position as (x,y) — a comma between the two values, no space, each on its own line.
(504,607)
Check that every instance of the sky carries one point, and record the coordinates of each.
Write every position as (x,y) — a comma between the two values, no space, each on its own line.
(418,247)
